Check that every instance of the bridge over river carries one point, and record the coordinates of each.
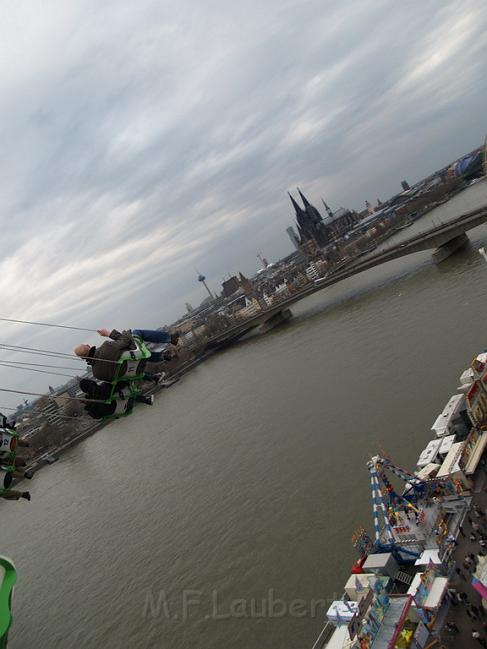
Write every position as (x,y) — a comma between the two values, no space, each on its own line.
(444,239)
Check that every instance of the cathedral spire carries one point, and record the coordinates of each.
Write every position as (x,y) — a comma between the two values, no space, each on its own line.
(304,199)
(299,210)
(311,211)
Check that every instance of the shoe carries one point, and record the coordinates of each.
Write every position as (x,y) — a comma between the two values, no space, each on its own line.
(26,495)
(28,474)
(161,377)
(151,400)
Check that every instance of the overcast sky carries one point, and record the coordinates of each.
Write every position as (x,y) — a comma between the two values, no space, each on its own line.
(144,140)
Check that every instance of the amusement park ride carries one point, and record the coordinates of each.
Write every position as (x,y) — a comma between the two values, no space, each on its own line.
(403,523)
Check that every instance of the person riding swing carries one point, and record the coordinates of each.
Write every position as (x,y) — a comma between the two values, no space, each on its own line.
(11,465)
(127,347)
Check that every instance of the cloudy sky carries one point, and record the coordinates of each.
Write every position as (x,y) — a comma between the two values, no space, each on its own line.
(142,140)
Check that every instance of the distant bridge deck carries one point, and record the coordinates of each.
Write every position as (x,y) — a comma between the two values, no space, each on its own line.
(435,238)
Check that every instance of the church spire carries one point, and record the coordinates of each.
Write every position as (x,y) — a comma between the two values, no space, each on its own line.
(304,199)
(299,210)
(311,211)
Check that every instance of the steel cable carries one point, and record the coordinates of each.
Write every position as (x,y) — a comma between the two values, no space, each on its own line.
(46,324)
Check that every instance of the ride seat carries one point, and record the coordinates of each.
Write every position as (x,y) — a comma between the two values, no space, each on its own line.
(8,441)
(132,362)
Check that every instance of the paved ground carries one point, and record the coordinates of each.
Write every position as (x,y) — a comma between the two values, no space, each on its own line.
(458,614)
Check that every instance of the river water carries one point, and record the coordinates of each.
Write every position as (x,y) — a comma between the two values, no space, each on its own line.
(245,481)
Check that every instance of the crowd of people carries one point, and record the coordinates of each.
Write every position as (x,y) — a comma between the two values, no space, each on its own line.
(462,596)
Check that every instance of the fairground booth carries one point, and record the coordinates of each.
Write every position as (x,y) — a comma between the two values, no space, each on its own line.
(383,621)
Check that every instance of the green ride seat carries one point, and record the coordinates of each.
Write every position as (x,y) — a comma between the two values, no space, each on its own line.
(122,410)
(130,368)
(126,384)
(8,453)
(132,362)
(122,397)
(8,439)
(8,577)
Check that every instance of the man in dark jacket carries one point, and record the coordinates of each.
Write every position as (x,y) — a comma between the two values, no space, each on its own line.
(103,359)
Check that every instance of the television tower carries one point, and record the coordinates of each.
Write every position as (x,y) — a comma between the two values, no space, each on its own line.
(262,260)
(202,279)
